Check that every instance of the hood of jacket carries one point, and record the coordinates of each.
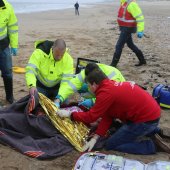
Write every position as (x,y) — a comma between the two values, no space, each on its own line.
(45,46)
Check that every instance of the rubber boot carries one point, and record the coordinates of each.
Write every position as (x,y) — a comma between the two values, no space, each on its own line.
(141,58)
(8,83)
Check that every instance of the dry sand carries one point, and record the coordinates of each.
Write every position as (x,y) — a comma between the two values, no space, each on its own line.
(93,35)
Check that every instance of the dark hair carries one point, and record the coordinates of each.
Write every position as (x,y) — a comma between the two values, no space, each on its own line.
(90,67)
(96,76)
(60,43)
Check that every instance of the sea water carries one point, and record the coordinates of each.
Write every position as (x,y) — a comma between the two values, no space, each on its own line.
(28,6)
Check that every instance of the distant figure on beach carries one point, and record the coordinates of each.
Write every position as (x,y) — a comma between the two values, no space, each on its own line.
(49,66)
(130,19)
(76,6)
(8,37)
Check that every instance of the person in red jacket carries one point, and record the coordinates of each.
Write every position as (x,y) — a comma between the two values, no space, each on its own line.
(130,20)
(127,102)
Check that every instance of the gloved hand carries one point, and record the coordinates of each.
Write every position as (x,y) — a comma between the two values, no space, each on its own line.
(57,102)
(140,34)
(33,90)
(84,88)
(89,145)
(14,51)
(86,103)
(60,98)
(63,113)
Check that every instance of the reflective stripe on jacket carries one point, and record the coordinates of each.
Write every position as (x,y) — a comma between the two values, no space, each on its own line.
(8,25)
(76,83)
(124,17)
(130,15)
(42,66)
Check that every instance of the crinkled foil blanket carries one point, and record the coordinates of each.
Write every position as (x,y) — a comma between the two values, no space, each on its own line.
(75,132)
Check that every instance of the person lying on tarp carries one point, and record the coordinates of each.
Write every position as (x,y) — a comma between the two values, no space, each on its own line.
(49,66)
(77,84)
(128,102)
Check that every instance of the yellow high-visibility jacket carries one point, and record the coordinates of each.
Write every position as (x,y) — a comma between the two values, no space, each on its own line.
(42,66)
(77,82)
(8,24)
(136,12)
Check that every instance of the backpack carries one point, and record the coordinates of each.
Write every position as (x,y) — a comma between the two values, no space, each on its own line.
(100,161)
(161,93)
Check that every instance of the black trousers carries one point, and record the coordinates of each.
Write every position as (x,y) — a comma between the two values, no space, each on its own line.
(126,38)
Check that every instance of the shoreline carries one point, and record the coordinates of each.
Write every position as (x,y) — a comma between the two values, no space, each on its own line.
(88,6)
(84,8)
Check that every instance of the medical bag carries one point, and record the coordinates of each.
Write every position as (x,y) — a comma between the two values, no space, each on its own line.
(161,93)
(101,161)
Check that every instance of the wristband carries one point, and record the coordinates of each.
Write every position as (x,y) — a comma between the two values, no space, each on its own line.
(60,98)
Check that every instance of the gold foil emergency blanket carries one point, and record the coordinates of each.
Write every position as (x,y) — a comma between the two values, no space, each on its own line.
(75,132)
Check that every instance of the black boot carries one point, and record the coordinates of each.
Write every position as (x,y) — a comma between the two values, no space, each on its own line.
(141,58)
(8,83)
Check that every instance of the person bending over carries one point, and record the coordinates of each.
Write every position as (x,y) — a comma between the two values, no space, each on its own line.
(49,66)
(78,84)
(129,103)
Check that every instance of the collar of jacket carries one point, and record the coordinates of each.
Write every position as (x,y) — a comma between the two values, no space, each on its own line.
(45,46)
(51,55)
(2,4)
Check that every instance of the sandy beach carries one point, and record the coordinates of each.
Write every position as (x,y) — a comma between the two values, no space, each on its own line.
(93,35)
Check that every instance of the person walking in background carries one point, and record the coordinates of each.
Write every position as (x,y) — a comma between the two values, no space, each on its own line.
(8,36)
(49,65)
(130,19)
(76,6)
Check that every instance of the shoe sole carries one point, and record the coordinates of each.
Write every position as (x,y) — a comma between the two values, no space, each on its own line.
(167,150)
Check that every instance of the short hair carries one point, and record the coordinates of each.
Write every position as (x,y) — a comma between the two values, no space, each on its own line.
(60,43)
(90,67)
(96,76)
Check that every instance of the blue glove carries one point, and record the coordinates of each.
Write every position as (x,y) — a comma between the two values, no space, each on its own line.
(86,103)
(84,88)
(140,34)
(57,104)
(60,98)
(14,51)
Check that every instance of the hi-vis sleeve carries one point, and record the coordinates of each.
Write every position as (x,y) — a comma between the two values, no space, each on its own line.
(13,28)
(72,86)
(136,12)
(32,69)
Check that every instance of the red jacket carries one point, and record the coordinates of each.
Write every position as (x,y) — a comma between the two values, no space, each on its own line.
(122,100)
(125,18)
